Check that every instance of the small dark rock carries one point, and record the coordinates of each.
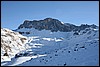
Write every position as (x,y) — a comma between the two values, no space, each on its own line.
(42,59)
(50,57)
(77,44)
(68,51)
(82,47)
(74,58)
(56,54)
(64,64)
(5,54)
(56,51)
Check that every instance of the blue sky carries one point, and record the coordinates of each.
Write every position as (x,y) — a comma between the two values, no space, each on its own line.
(13,13)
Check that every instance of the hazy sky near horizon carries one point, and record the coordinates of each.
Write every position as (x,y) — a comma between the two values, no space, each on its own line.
(13,13)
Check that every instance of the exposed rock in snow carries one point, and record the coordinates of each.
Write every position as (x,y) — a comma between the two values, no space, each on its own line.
(11,43)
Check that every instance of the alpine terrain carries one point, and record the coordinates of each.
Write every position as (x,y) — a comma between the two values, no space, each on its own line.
(50,42)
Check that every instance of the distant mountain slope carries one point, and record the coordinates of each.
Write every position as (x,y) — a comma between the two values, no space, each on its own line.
(53,25)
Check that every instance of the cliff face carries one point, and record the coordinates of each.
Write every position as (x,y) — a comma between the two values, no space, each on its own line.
(47,24)
(54,25)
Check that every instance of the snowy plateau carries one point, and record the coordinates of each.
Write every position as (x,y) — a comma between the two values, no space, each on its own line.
(50,42)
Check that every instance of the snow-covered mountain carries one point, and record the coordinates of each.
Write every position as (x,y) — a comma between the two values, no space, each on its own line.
(50,42)
(11,43)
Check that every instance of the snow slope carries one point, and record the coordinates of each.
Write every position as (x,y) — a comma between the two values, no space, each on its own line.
(11,43)
(59,49)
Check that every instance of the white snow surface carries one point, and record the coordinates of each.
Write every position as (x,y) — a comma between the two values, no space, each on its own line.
(11,43)
(58,49)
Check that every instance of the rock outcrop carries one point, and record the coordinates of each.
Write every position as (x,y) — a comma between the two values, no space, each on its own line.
(54,25)
(11,42)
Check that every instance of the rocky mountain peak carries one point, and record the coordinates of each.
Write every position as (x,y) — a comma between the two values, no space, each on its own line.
(54,25)
(48,19)
(47,23)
